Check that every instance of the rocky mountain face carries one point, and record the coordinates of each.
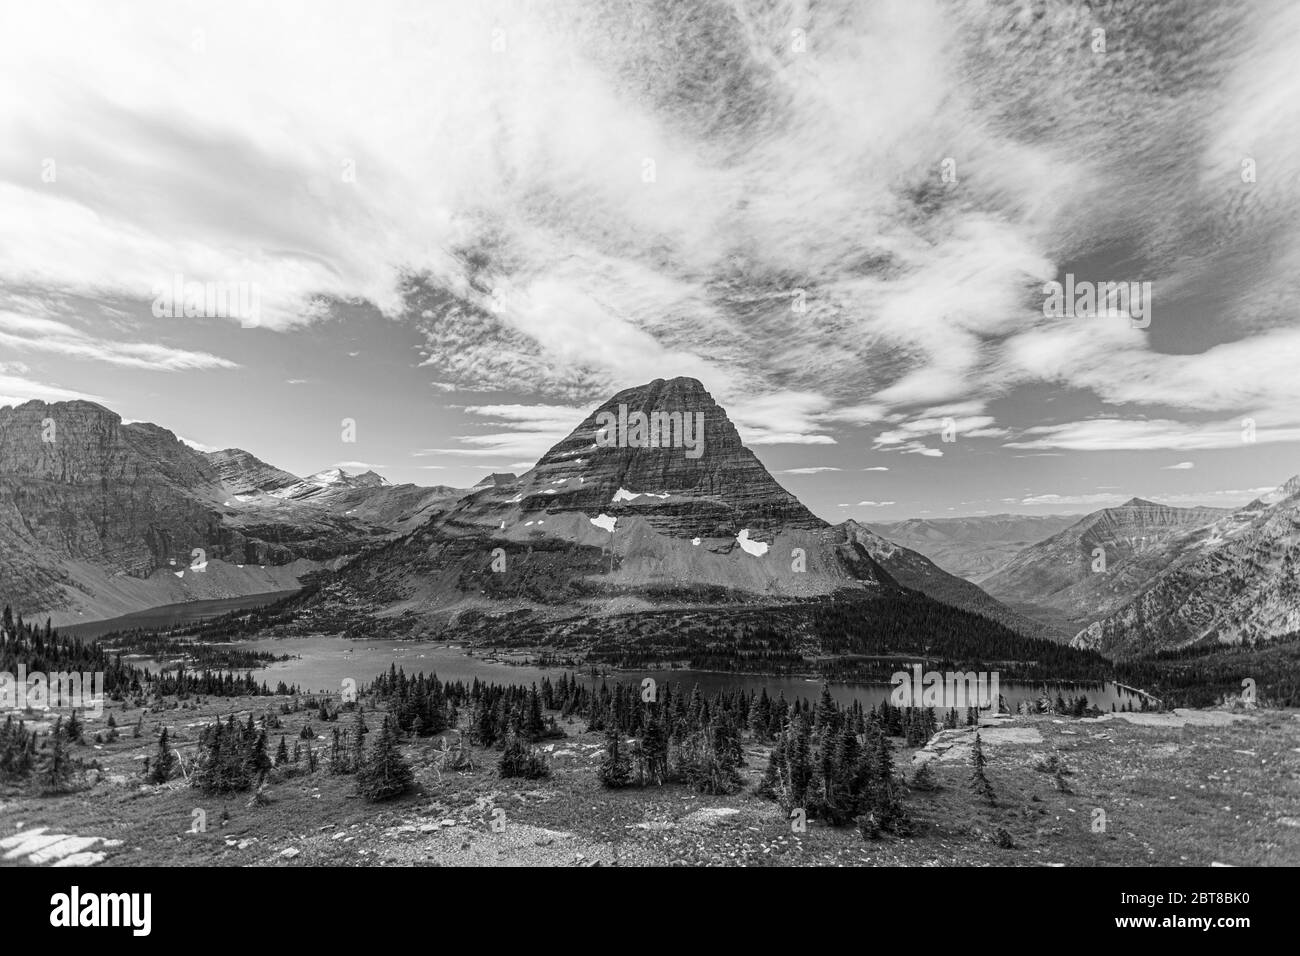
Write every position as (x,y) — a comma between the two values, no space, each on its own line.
(100,517)
(1099,563)
(973,547)
(243,474)
(603,525)
(694,478)
(1234,579)
(330,483)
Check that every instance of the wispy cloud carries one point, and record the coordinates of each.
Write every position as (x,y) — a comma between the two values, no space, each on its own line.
(31,334)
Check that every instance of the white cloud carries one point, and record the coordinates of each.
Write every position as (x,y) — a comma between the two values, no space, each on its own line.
(1099,498)
(33,334)
(811,470)
(15,390)
(196,445)
(1117,434)
(1181,466)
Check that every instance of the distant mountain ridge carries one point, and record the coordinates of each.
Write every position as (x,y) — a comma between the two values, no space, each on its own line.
(1233,579)
(1098,563)
(99,517)
(973,546)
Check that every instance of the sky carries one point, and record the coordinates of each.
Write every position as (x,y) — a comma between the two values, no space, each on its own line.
(464,226)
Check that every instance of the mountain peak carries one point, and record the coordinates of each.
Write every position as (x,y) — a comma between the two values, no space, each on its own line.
(665,451)
(243,473)
(1284,491)
(1141,503)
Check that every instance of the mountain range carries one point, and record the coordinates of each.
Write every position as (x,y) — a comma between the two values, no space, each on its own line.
(976,546)
(99,517)
(1144,577)
(594,532)
(107,517)
(651,506)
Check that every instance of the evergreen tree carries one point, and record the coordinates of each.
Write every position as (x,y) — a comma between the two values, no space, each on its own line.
(615,769)
(520,759)
(73,729)
(979,782)
(654,750)
(164,761)
(282,753)
(57,772)
(923,778)
(384,773)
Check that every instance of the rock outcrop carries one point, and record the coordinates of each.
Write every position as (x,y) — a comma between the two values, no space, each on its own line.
(99,517)
(1099,563)
(1235,579)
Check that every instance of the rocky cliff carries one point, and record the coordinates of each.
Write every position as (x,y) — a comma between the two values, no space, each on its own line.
(1097,564)
(100,517)
(1235,579)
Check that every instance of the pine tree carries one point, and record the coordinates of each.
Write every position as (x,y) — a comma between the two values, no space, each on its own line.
(615,770)
(534,726)
(978,781)
(923,778)
(520,759)
(258,761)
(72,730)
(384,773)
(282,753)
(56,774)
(164,761)
(654,750)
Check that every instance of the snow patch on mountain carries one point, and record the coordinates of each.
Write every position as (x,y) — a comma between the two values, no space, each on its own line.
(624,495)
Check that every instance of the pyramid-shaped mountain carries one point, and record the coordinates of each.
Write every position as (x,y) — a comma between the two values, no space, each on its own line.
(652,503)
(665,451)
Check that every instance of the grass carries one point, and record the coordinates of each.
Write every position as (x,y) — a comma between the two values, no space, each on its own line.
(1178,795)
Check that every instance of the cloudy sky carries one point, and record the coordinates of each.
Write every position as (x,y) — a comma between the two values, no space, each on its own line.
(467,224)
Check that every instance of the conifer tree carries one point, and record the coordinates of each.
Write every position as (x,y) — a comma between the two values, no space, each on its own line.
(520,759)
(72,730)
(923,778)
(615,769)
(164,761)
(654,749)
(384,773)
(979,782)
(56,774)
(282,753)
